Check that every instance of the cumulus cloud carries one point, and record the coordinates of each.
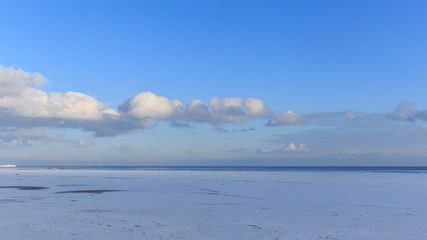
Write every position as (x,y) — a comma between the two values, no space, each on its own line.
(23,104)
(149,105)
(289,117)
(227,110)
(20,96)
(13,80)
(236,110)
(291,147)
(198,111)
(256,107)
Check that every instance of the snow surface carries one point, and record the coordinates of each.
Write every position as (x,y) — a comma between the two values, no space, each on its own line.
(142,204)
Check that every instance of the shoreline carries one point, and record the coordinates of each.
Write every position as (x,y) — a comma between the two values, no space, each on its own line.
(389,169)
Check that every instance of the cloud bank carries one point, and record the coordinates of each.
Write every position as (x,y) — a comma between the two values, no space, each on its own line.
(23,104)
(147,105)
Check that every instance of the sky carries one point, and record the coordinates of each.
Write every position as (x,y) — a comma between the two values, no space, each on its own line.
(282,83)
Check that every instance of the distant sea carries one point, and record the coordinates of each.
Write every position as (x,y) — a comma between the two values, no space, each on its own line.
(392,169)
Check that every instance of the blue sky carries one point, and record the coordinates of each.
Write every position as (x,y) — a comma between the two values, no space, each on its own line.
(213,82)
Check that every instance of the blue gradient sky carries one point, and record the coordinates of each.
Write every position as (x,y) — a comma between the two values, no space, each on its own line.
(353,72)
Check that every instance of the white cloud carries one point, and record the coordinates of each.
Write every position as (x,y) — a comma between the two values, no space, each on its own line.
(256,107)
(291,147)
(22,99)
(219,110)
(20,96)
(198,111)
(227,110)
(13,80)
(289,117)
(149,105)
(23,104)
(226,104)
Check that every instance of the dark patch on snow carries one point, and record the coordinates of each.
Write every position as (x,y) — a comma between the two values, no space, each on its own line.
(89,191)
(25,187)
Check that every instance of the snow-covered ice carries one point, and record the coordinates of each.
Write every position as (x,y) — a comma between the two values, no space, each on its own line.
(154,204)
